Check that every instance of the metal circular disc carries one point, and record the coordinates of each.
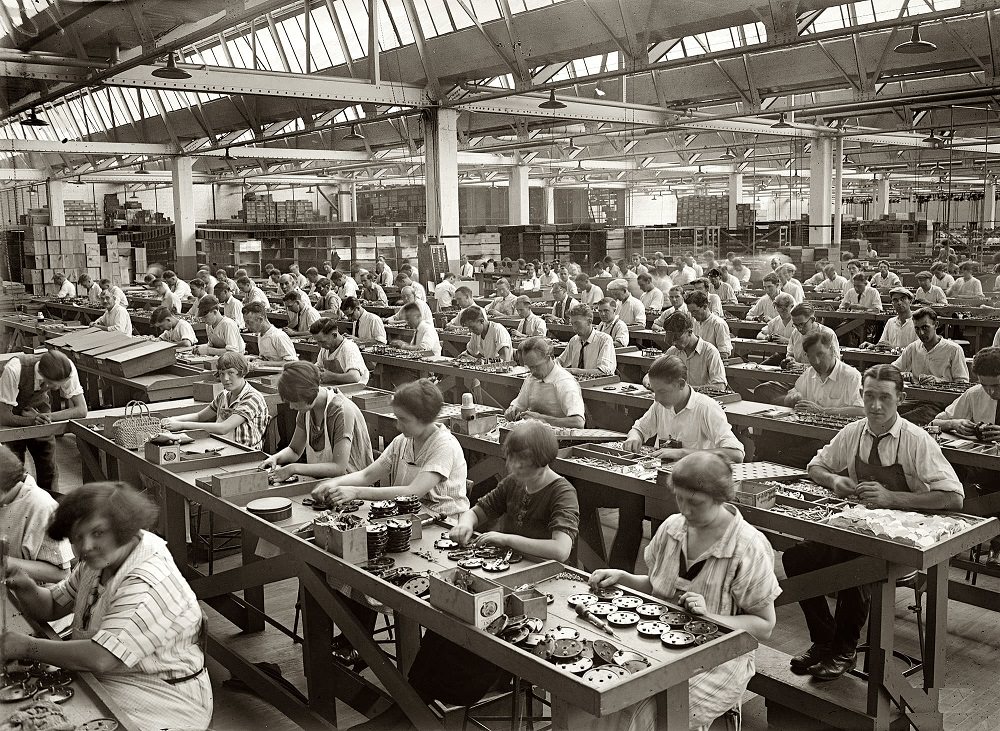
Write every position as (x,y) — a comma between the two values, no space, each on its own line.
(701,627)
(605,650)
(623,656)
(515,558)
(376,528)
(58,694)
(535,624)
(618,670)
(498,625)
(677,638)
(515,635)
(471,563)
(461,554)
(517,621)
(99,724)
(584,599)
(704,639)
(578,666)
(540,650)
(444,544)
(650,611)
(417,585)
(14,693)
(636,666)
(651,628)
(627,602)
(496,566)
(600,676)
(623,619)
(607,592)
(602,609)
(588,649)
(564,633)
(675,619)
(567,649)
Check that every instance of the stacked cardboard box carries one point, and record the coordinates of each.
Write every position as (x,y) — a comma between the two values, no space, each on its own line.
(48,250)
(712,210)
(80,213)
(293,211)
(483,243)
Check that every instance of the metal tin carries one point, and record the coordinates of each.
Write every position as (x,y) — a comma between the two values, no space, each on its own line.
(271,509)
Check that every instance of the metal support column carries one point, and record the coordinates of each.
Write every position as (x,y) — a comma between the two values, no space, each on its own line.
(441,178)
(820,175)
(183,189)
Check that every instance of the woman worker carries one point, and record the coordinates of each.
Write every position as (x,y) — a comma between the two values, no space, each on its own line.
(238,412)
(717,566)
(330,429)
(136,622)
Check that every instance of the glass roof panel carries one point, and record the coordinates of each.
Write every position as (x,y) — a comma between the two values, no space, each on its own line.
(486,10)
(438,10)
(459,15)
(267,51)
(399,26)
(290,36)
(325,47)
(344,14)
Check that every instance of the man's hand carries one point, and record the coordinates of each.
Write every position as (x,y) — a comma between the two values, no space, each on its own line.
(605,577)
(512,413)
(633,445)
(991,432)
(962,427)
(844,486)
(461,534)
(669,453)
(533,415)
(873,495)
(804,405)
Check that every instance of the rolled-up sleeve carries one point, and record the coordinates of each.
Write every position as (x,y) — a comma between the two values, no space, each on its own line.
(607,361)
(837,455)
(648,424)
(719,426)
(570,397)
(931,467)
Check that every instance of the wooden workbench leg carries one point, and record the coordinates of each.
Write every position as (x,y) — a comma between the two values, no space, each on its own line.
(407,642)
(672,712)
(317,638)
(175,526)
(881,625)
(255,595)
(936,630)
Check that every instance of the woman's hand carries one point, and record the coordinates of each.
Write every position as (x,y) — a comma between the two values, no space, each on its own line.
(284,472)
(171,424)
(14,645)
(336,493)
(694,603)
(493,538)
(605,577)
(269,464)
(17,580)
(461,534)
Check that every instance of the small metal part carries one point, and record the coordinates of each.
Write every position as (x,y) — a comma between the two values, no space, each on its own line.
(496,566)
(532,639)
(585,599)
(55,694)
(600,676)
(601,609)
(578,666)
(627,602)
(606,592)
(701,627)
(535,624)
(99,724)
(677,638)
(515,635)
(461,554)
(563,633)
(605,650)
(676,620)
(498,625)
(704,639)
(623,656)
(567,649)
(623,619)
(652,628)
(650,611)
(636,666)
(14,693)
(471,563)
(417,585)
(443,544)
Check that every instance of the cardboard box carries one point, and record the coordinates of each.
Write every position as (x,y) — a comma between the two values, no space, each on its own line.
(479,606)
(350,545)
(163,453)
(480,425)
(529,602)
(239,482)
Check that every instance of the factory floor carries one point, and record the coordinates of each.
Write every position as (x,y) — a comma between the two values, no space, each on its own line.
(970,699)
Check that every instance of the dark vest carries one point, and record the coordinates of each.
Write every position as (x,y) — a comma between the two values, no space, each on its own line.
(27,397)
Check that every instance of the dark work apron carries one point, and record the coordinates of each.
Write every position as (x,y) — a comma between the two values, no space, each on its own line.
(891,477)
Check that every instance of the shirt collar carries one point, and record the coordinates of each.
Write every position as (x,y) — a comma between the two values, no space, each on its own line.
(894,430)
(725,547)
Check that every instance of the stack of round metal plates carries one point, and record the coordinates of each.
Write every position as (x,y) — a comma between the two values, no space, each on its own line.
(407,504)
(382,509)
(399,535)
(378,537)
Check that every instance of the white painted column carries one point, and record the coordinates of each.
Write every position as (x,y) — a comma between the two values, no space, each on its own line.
(735,195)
(183,189)
(820,179)
(990,201)
(838,191)
(882,197)
(346,209)
(549,198)
(57,209)
(441,179)
(517,196)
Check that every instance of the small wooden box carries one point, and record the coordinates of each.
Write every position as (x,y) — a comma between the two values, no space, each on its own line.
(350,545)
(478,425)
(756,494)
(529,602)
(479,607)
(206,391)
(371,398)
(163,453)
(238,483)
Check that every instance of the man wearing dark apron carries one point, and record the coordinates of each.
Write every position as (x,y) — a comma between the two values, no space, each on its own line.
(25,385)
(885,462)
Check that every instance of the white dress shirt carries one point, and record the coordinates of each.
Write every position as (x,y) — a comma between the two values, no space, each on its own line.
(899,334)
(870,298)
(699,424)
(598,355)
(704,364)
(946,360)
(653,299)
(632,311)
(841,388)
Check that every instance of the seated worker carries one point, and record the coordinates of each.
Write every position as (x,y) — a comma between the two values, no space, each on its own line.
(898,331)
(365,325)
(273,279)
(589,352)
(169,299)
(503,304)
(567,279)
(330,430)
(833,282)
(675,299)
(312,277)
(683,274)
(197,292)
(883,279)
(549,393)
(252,293)
(325,298)
(941,277)
(345,286)
(301,313)
(287,284)
(297,276)
(444,292)
(106,284)
(487,339)
(890,463)
(467,269)
(371,291)
(65,288)
(25,384)
(205,275)
(763,308)
(804,322)
(708,559)
(425,337)
(410,295)
(239,412)
(714,303)
(966,285)
(25,514)
(223,333)
(175,330)
(739,271)
(610,324)
(631,311)
(704,364)
(779,329)
(136,622)
(681,420)
(708,325)
(789,284)
(930,359)
(928,293)
(861,296)
(531,325)
(424,460)
(403,279)
(819,275)
(231,307)
(339,358)
(115,317)
(650,296)
(463,298)
(383,274)
(586,291)
(562,303)
(274,347)
(177,285)
(87,287)
(721,289)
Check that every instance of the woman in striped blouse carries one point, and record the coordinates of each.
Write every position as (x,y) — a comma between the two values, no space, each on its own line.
(136,623)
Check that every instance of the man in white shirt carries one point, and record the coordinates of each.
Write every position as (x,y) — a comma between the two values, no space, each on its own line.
(223,333)
(179,287)
(503,304)
(587,292)
(174,329)
(409,296)
(115,317)
(549,393)
(466,270)
(861,296)
(723,290)
(683,274)
(702,359)
(804,321)
(740,272)
(589,352)
(789,284)
(828,385)
(941,277)
(567,280)
(966,285)
(383,273)
(425,337)
(630,310)
(404,280)
(562,303)
(339,358)
(86,287)
(898,331)
(371,291)
(231,307)
(707,325)
(169,299)
(531,325)
(463,299)
(487,339)
(344,285)
(763,308)
(274,347)
(205,275)
(444,292)
(883,279)
(833,282)
(817,278)
(197,292)
(682,417)
(66,289)
(252,293)
(675,299)
(927,293)
(300,281)
(931,359)
(714,303)
(365,326)
(324,297)
(637,267)
(611,324)
(650,296)
(301,313)
(549,274)
(779,329)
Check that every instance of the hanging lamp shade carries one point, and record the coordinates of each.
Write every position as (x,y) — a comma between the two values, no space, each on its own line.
(552,102)
(916,44)
(354,134)
(170,71)
(33,120)
(782,123)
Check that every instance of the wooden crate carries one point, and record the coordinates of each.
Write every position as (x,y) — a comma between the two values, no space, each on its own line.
(478,607)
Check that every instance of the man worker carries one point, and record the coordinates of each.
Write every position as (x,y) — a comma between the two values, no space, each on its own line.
(587,292)
(301,313)
(174,329)
(704,364)
(503,304)
(339,360)
(231,307)
(466,270)
(425,337)
(779,329)
(833,282)
(898,331)
(650,295)
(966,285)
(861,296)
(66,289)
(931,359)
(928,293)
(883,279)
(252,293)
(87,287)
(115,317)
(675,299)
(223,333)
(365,325)
(708,325)
(763,308)
(409,295)
(562,304)
(531,325)
(789,284)
(179,287)
(819,275)
(721,289)
(169,299)
(463,299)
(383,273)
(589,352)
(804,322)
(444,293)
(274,346)
(403,279)
(630,310)
(487,339)
(610,324)
(344,285)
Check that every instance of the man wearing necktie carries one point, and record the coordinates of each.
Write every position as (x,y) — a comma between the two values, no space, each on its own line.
(531,325)
(562,304)
(890,463)
(589,352)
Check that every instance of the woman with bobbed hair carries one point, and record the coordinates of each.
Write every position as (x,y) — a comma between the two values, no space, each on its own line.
(424,460)
(720,566)
(330,429)
(136,623)
(238,412)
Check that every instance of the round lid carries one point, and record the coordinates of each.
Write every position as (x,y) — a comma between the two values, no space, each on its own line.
(269,504)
